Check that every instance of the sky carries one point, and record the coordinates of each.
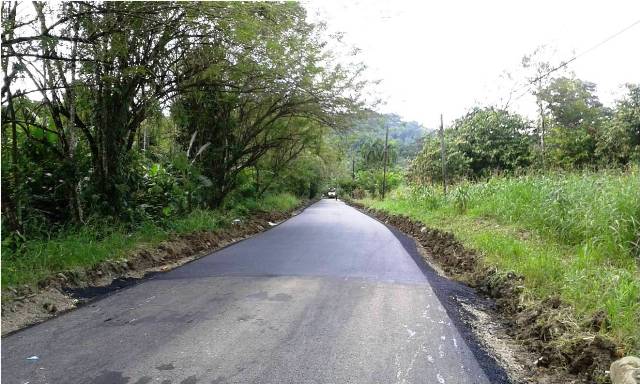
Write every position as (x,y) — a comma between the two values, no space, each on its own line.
(434,57)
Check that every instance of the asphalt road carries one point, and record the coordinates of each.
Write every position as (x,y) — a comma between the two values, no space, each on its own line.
(329,296)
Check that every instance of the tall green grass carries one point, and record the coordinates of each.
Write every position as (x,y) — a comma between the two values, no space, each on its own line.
(575,235)
(99,241)
(279,203)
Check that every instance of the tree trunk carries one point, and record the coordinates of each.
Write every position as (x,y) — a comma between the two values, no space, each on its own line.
(17,183)
(112,126)
(72,136)
(542,125)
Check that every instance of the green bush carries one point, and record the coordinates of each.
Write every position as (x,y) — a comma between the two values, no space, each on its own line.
(371,181)
(280,202)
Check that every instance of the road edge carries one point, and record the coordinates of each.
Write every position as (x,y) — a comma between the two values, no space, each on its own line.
(72,289)
(497,321)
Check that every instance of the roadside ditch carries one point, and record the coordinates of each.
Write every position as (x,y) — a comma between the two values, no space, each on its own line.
(536,341)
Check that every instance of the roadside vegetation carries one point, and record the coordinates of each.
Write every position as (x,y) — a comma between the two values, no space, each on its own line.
(555,200)
(126,122)
(89,245)
(572,235)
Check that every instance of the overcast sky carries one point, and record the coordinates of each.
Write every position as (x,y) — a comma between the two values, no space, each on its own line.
(446,56)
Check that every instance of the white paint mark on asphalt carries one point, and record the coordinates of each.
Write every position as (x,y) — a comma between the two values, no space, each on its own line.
(440,378)
(398,369)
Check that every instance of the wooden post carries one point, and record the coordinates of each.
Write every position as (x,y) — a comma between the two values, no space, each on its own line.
(542,129)
(353,167)
(443,156)
(384,172)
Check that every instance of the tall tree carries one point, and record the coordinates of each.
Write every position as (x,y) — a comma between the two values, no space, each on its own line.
(101,67)
(483,141)
(251,101)
(576,117)
(494,140)
(541,67)
(619,140)
(11,192)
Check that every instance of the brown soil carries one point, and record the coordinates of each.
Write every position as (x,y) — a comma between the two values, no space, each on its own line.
(26,305)
(550,346)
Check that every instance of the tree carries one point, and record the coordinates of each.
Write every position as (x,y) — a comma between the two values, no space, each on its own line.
(251,87)
(483,141)
(406,135)
(11,194)
(576,118)
(133,64)
(426,168)
(539,68)
(619,139)
(129,59)
(305,142)
(272,97)
(493,140)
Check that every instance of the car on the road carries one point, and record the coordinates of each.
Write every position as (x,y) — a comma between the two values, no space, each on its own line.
(332,194)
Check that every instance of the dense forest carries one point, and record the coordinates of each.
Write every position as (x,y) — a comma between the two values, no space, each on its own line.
(137,111)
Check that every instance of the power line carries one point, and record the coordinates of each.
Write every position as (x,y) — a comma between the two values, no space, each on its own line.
(574,58)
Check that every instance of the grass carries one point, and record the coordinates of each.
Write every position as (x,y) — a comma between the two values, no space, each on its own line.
(575,235)
(97,242)
(279,203)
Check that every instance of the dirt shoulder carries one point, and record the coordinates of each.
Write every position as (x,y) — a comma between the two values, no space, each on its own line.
(26,305)
(534,340)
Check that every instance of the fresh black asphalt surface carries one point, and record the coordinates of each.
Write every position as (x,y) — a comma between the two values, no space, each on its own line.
(329,296)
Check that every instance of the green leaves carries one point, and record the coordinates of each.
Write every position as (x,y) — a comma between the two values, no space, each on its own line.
(619,138)
(576,116)
(262,97)
(484,141)
(251,88)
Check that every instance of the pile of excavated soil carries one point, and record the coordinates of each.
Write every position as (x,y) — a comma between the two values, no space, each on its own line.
(545,328)
(26,305)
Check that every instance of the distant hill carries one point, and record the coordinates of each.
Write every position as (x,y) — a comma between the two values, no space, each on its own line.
(407,135)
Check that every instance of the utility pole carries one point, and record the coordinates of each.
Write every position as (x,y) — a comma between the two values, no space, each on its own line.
(353,167)
(443,157)
(353,172)
(384,172)
(542,127)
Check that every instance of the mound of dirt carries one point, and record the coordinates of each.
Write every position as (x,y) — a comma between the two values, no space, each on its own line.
(546,328)
(27,305)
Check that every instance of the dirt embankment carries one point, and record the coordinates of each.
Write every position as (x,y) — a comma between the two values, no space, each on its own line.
(26,305)
(555,343)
